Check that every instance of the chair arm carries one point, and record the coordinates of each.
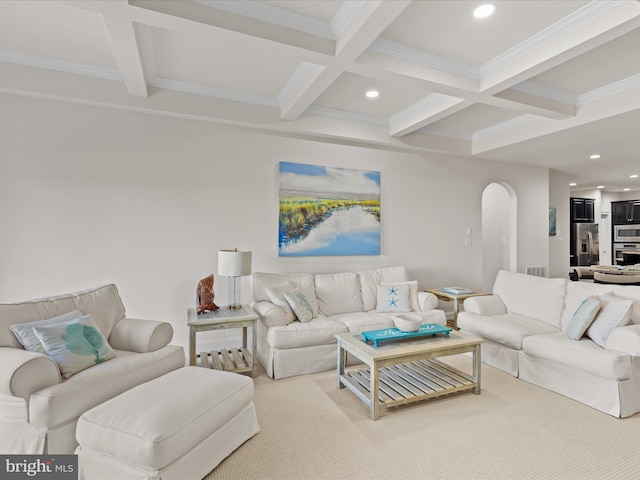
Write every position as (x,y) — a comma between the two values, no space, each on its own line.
(485,305)
(270,314)
(427,301)
(23,373)
(141,336)
(625,339)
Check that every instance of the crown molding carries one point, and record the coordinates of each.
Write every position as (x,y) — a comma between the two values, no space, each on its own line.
(273,15)
(570,22)
(51,64)
(615,87)
(415,55)
(349,116)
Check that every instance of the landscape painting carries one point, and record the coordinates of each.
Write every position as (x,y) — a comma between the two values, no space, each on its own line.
(328,211)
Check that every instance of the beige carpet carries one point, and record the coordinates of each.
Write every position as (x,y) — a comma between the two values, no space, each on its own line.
(312,430)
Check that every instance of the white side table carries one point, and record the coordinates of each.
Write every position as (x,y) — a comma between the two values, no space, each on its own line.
(456,299)
(238,360)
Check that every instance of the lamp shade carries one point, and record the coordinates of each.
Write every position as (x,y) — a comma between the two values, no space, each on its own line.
(233,263)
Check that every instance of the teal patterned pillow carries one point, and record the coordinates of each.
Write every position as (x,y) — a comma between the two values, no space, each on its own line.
(301,305)
(75,345)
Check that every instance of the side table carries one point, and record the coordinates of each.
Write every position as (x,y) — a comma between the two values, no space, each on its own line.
(456,299)
(238,360)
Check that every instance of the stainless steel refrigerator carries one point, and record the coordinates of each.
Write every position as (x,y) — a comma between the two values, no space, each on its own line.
(585,245)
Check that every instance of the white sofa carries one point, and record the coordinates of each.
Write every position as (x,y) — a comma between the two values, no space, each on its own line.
(524,325)
(345,302)
(39,408)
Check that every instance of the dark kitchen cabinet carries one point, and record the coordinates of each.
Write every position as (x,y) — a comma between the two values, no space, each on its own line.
(582,210)
(625,212)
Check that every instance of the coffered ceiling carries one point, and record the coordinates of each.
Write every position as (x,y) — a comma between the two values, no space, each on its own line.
(539,82)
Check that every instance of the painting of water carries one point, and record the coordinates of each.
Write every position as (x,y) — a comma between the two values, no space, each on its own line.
(328,211)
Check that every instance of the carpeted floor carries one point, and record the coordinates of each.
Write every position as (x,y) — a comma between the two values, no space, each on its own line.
(312,430)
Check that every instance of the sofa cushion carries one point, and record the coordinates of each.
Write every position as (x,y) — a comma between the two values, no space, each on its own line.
(338,293)
(74,345)
(615,312)
(261,280)
(536,297)
(103,303)
(61,403)
(370,279)
(275,293)
(583,355)
(28,338)
(582,318)
(318,331)
(358,322)
(508,329)
(393,298)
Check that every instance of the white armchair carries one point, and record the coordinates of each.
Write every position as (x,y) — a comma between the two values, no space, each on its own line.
(39,408)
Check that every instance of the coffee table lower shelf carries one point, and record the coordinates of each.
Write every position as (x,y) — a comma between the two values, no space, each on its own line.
(409,382)
(237,360)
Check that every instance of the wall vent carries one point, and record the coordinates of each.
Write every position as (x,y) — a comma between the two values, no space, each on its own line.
(538,271)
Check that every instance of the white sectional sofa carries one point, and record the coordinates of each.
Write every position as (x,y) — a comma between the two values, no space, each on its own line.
(526,325)
(39,407)
(344,302)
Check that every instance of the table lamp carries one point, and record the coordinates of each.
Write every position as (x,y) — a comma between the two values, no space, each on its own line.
(234,264)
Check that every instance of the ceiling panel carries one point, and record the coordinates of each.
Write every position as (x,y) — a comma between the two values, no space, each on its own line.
(56,32)
(614,61)
(348,94)
(251,67)
(448,28)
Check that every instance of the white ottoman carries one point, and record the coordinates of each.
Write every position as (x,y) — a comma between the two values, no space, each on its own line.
(178,426)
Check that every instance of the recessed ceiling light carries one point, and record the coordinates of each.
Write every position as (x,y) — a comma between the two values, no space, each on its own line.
(600,186)
(372,93)
(572,184)
(484,10)
(595,156)
(633,176)
(626,189)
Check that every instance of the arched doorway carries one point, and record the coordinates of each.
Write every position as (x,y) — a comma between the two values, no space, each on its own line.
(499,232)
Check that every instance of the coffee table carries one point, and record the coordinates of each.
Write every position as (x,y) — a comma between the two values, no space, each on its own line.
(406,371)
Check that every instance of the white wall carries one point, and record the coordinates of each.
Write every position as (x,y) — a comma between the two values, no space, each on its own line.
(91,195)
(559,245)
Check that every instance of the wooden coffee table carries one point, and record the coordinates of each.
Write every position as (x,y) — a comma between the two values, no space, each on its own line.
(405,371)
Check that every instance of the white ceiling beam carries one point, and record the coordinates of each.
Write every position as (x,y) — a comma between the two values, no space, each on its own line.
(430,109)
(369,21)
(597,24)
(126,52)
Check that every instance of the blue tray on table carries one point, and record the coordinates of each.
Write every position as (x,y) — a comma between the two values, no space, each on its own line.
(376,336)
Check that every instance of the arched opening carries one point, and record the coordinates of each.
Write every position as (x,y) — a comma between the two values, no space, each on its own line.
(499,232)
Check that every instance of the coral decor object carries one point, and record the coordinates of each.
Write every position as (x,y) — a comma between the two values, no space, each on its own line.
(205,295)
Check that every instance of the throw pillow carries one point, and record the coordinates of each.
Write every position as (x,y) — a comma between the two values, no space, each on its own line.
(74,345)
(393,298)
(414,305)
(582,317)
(28,338)
(276,296)
(300,304)
(615,312)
